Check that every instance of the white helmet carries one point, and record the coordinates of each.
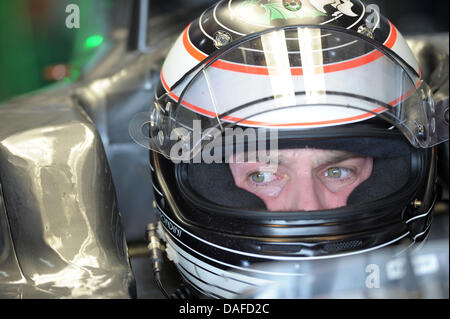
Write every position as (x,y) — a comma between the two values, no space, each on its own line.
(314,74)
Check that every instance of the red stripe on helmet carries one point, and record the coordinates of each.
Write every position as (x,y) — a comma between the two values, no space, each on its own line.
(261,70)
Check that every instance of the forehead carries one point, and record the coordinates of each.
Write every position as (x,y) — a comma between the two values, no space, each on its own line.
(286,156)
(311,152)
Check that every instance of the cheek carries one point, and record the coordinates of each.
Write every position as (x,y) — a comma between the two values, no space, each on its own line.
(266,193)
(339,199)
(332,200)
(284,200)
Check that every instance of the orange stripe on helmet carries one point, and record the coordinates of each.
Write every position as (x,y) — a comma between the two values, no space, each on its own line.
(256,123)
(368,58)
(261,70)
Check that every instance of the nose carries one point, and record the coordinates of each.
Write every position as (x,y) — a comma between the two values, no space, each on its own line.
(306,198)
(305,195)
(302,194)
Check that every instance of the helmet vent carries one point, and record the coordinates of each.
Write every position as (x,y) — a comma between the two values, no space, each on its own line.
(281,249)
(343,245)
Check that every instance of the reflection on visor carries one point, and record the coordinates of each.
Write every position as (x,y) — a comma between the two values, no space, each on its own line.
(294,78)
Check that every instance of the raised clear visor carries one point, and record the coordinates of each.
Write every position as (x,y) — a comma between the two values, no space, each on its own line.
(295,78)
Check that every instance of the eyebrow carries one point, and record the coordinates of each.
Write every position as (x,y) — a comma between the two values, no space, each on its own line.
(337,158)
(328,160)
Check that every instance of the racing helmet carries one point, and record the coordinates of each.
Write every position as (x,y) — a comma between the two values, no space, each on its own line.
(256,76)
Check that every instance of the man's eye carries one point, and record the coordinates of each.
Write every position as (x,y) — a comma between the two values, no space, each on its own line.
(261,177)
(338,172)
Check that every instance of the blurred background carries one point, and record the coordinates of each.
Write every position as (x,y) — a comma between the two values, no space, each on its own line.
(37,50)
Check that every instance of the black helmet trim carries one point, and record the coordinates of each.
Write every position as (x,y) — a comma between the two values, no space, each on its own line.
(202,272)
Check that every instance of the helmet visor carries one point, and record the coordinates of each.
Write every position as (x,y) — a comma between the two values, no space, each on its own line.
(290,79)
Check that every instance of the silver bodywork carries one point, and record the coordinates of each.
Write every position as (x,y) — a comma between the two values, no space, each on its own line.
(69,170)
(60,225)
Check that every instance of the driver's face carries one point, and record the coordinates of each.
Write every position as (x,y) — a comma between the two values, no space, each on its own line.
(304,179)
